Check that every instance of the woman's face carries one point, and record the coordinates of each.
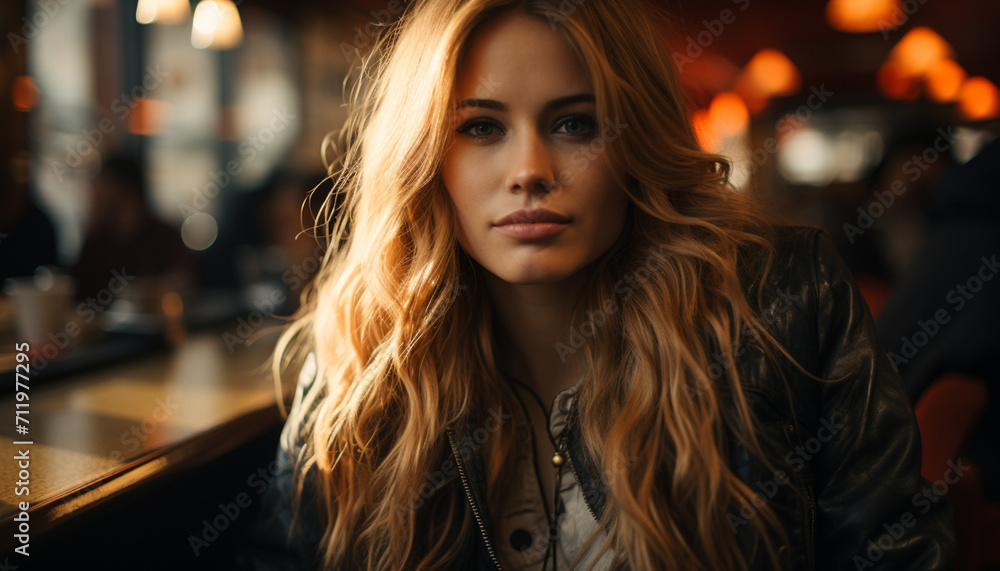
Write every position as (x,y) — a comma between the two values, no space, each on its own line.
(526,119)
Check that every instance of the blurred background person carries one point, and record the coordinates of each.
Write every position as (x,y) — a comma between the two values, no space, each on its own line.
(27,237)
(942,316)
(289,220)
(123,235)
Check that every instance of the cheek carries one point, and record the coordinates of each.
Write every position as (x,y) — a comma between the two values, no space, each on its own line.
(457,192)
(460,189)
(607,198)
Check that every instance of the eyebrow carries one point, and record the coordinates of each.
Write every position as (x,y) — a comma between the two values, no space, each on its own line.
(554,104)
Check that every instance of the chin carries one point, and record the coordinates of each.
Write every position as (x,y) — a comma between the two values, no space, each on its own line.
(541,272)
(533,279)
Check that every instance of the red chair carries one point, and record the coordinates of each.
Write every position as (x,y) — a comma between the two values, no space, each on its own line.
(947,413)
(875,291)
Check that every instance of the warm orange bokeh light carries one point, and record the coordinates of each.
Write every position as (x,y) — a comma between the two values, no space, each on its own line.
(728,115)
(755,99)
(919,51)
(149,116)
(861,15)
(703,129)
(895,84)
(979,99)
(24,93)
(944,81)
(773,73)
(172,304)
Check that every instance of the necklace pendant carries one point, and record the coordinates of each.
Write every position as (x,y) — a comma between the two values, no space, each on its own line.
(557,459)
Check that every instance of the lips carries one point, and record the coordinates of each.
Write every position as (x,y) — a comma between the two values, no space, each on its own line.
(533,217)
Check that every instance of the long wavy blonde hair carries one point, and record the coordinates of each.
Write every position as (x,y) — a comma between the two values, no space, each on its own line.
(401,326)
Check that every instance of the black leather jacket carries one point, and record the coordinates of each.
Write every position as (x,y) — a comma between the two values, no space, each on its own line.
(847,487)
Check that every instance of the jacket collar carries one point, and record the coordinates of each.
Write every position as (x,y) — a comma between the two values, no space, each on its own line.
(584,468)
(465,443)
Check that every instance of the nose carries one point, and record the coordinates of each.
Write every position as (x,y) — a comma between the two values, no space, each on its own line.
(531,168)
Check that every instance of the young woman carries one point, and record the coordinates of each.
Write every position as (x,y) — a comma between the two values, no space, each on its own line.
(548,335)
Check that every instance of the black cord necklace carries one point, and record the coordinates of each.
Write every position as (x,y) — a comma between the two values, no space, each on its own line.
(558,459)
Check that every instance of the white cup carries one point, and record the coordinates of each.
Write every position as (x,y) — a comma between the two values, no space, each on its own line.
(41,305)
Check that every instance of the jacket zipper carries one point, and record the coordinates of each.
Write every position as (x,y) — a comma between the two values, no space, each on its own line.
(586,502)
(572,466)
(472,500)
(807,490)
(812,525)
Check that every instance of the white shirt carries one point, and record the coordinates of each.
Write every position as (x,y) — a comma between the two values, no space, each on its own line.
(524,522)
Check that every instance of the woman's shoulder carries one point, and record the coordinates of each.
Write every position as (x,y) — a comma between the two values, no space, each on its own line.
(806,279)
(796,246)
(798,253)
(812,306)
(807,261)
(294,434)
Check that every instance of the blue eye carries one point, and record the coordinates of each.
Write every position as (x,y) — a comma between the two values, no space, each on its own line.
(576,126)
(585,125)
(473,131)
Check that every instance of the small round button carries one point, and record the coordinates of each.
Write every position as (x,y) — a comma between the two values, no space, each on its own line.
(520,539)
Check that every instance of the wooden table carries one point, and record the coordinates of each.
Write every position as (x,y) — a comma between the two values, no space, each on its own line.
(99,434)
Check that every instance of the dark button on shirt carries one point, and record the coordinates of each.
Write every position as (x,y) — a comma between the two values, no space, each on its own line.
(524,520)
